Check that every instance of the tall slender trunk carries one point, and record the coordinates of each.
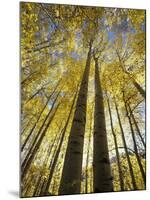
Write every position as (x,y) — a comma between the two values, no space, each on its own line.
(36,192)
(139,88)
(88,154)
(39,117)
(30,98)
(116,147)
(26,186)
(43,186)
(40,135)
(71,175)
(134,142)
(26,126)
(37,92)
(59,147)
(126,149)
(35,140)
(101,163)
(136,126)
(29,77)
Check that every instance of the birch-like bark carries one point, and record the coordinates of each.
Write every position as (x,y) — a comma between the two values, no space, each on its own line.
(134,142)
(136,126)
(59,148)
(126,149)
(71,175)
(88,154)
(116,147)
(101,164)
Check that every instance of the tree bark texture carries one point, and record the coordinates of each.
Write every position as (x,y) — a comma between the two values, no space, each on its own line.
(101,164)
(71,175)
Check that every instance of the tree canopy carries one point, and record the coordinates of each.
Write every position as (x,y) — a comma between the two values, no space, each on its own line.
(82,99)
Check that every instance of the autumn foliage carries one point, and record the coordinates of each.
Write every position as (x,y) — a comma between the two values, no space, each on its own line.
(82,99)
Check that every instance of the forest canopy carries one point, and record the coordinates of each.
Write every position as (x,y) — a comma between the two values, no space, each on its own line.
(82,99)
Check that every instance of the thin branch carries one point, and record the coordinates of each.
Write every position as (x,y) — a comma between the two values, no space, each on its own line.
(123,148)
